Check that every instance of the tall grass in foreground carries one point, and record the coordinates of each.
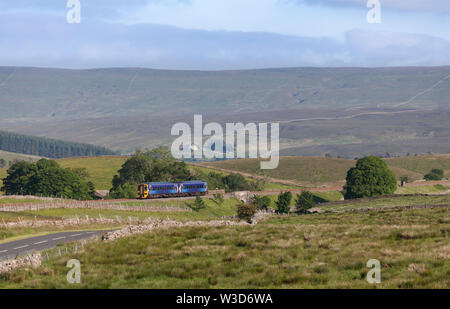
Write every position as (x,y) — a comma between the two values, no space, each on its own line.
(310,251)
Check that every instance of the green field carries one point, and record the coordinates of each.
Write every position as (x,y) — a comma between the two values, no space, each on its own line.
(11,156)
(313,251)
(101,169)
(422,164)
(321,170)
(387,201)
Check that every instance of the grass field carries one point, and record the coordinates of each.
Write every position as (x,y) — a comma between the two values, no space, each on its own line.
(321,170)
(101,169)
(11,156)
(387,201)
(313,251)
(422,164)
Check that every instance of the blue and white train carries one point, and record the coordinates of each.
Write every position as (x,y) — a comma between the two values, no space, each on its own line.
(151,190)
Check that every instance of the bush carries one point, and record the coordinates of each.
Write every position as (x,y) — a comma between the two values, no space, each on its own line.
(198,204)
(261,202)
(246,212)
(284,202)
(371,177)
(434,174)
(304,201)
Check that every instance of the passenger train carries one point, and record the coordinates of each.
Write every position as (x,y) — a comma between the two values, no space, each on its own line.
(151,190)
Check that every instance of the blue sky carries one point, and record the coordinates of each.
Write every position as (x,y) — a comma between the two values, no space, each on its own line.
(224,34)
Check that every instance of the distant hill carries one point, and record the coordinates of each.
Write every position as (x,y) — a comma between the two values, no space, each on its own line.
(349,112)
(45,147)
(40,94)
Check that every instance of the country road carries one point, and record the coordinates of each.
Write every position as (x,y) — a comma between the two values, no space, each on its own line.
(28,245)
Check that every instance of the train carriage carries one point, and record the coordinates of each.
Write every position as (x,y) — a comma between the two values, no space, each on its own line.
(172,189)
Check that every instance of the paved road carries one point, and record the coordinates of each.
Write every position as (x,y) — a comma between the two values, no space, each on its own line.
(24,246)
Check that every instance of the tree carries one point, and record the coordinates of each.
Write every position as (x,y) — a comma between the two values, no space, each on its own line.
(155,165)
(261,202)
(434,174)
(284,202)
(304,201)
(235,182)
(246,212)
(371,177)
(46,178)
(403,180)
(198,204)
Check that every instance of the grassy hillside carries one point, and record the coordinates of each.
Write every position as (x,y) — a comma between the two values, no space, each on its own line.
(321,170)
(101,169)
(422,164)
(11,156)
(314,251)
(299,169)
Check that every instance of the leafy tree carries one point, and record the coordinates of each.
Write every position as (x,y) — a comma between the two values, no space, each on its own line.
(18,178)
(434,174)
(198,204)
(261,202)
(246,212)
(284,202)
(235,182)
(304,201)
(155,165)
(46,178)
(370,177)
(80,172)
(403,180)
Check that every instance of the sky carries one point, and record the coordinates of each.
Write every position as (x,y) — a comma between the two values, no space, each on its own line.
(224,34)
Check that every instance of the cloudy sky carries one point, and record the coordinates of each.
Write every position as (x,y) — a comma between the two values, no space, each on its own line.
(224,34)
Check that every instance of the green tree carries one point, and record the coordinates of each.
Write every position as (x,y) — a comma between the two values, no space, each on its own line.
(46,178)
(198,204)
(155,165)
(304,202)
(434,174)
(235,182)
(284,202)
(261,202)
(246,212)
(371,177)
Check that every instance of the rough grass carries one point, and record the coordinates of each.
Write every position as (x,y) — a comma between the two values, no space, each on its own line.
(320,170)
(11,156)
(300,169)
(311,251)
(422,164)
(101,169)
(435,189)
(388,201)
